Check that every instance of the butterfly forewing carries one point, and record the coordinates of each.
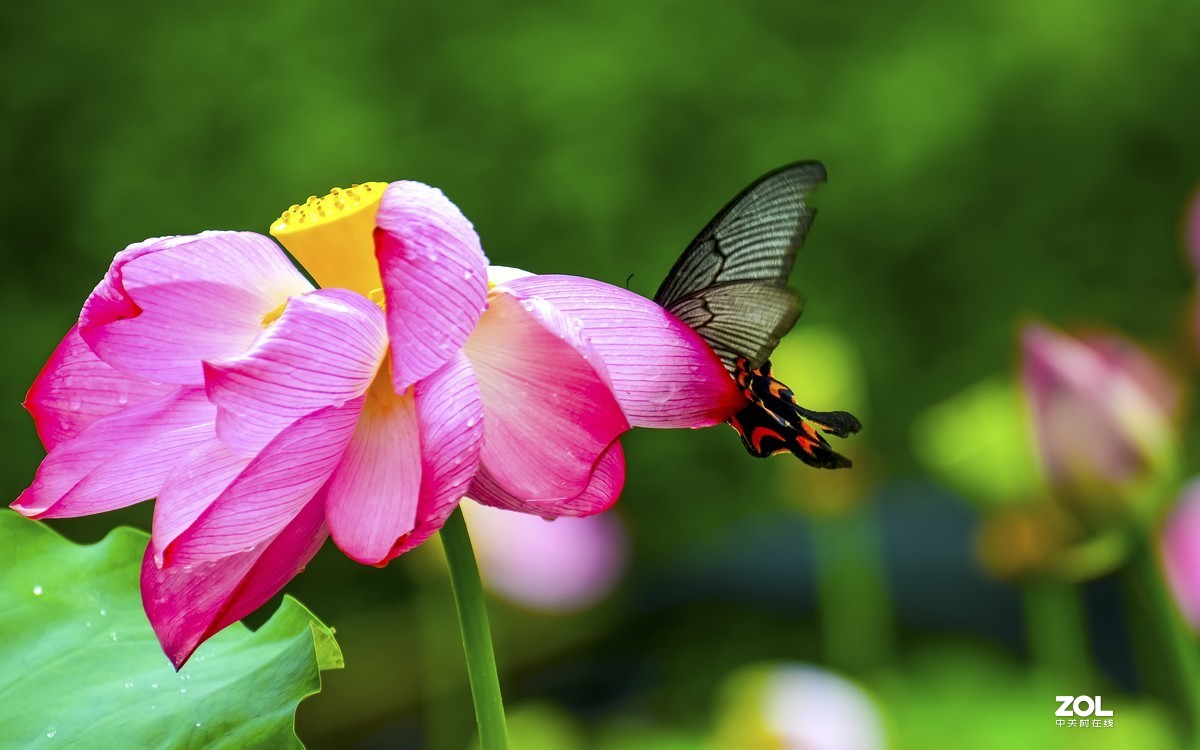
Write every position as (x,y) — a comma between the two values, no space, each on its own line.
(746,251)
(754,237)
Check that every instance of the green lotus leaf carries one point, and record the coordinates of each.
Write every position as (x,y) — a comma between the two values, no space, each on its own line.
(80,666)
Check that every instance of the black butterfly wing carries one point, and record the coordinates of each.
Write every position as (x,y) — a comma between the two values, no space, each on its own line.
(764,435)
(731,282)
(741,319)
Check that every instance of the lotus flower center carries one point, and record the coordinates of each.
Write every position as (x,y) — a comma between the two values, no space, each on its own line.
(333,237)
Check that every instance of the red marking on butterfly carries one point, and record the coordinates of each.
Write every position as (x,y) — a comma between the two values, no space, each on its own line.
(773,423)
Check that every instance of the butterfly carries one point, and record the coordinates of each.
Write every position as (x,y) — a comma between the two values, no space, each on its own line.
(730,286)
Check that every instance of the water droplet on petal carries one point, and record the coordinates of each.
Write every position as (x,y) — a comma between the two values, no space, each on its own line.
(183,690)
(37,590)
(198,723)
(154,684)
(113,635)
(50,734)
(104,613)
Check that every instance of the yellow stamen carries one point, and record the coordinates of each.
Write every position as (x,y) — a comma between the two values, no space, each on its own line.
(273,316)
(376,296)
(334,237)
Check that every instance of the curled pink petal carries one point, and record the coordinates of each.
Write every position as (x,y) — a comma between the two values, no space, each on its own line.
(372,497)
(548,411)
(75,388)
(187,605)
(167,304)
(411,460)
(323,350)
(196,482)
(271,490)
(450,420)
(662,373)
(601,493)
(434,278)
(120,459)
(556,567)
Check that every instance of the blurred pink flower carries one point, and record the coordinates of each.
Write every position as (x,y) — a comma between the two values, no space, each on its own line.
(1102,408)
(794,706)
(1181,553)
(266,415)
(558,566)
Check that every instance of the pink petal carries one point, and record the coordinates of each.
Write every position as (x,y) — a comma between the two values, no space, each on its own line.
(323,350)
(450,420)
(411,460)
(434,278)
(189,604)
(166,304)
(373,494)
(271,490)
(120,459)
(75,388)
(600,494)
(548,409)
(196,482)
(662,373)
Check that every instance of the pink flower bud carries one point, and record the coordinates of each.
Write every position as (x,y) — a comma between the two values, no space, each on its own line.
(1102,412)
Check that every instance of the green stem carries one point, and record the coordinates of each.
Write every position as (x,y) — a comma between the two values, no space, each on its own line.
(1057,630)
(443,689)
(1173,632)
(476,636)
(855,605)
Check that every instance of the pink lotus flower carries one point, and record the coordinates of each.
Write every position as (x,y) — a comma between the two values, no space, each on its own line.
(265,414)
(1103,413)
(1181,553)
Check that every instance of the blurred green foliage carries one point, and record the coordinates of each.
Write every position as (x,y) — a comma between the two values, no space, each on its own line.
(987,162)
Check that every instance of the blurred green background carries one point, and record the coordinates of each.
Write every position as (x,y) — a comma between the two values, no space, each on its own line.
(988,163)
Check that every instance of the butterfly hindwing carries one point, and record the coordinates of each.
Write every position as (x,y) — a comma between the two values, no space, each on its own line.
(761,387)
(741,319)
(774,423)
